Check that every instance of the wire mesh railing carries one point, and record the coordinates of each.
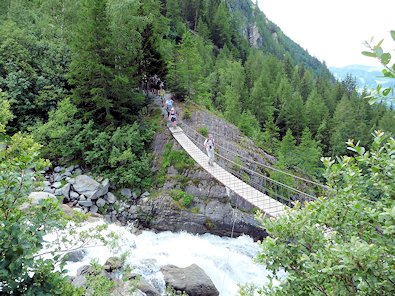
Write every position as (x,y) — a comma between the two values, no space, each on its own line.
(273,188)
(246,176)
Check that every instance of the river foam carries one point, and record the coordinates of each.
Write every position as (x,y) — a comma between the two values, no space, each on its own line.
(227,261)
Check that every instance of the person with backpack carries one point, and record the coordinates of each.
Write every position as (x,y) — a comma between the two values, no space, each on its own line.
(168,105)
(173,117)
(209,144)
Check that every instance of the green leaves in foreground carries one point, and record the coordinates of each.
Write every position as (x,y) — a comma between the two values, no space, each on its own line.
(376,51)
(342,244)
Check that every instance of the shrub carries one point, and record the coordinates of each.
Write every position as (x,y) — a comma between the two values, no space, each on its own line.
(203,131)
(187,114)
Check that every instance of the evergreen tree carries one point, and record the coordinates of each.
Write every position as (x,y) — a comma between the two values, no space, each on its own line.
(344,125)
(261,99)
(220,29)
(187,71)
(309,155)
(287,150)
(292,115)
(270,135)
(91,68)
(316,112)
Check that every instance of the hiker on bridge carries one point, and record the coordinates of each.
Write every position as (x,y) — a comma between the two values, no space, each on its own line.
(210,145)
(173,117)
(168,105)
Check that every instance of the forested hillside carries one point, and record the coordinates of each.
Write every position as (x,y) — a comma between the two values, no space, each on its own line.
(72,70)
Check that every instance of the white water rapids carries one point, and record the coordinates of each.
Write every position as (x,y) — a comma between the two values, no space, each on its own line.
(227,261)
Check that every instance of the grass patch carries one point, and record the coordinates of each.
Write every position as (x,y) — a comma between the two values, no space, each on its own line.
(203,131)
(181,198)
(179,159)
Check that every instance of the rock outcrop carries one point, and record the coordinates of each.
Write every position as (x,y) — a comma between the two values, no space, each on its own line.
(192,280)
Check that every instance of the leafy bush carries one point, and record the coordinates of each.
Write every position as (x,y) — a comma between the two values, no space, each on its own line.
(119,154)
(181,197)
(187,114)
(23,224)
(342,244)
(203,131)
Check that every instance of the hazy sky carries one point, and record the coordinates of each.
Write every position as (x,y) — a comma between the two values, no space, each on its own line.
(334,30)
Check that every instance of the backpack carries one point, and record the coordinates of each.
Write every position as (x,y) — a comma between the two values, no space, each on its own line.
(210,143)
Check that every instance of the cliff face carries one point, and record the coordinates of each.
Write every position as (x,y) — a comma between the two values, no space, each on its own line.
(263,34)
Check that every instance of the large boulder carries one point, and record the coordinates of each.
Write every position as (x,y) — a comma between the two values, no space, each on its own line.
(37,197)
(88,187)
(192,279)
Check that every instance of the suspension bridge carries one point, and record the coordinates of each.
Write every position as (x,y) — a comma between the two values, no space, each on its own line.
(243,175)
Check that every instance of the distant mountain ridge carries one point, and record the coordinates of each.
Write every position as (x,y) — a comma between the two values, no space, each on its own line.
(365,76)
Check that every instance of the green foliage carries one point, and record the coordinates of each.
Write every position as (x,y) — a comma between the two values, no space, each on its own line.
(177,158)
(170,291)
(181,197)
(32,73)
(121,155)
(376,51)
(5,113)
(62,135)
(24,224)
(188,67)
(187,114)
(96,283)
(342,244)
(203,131)
(248,124)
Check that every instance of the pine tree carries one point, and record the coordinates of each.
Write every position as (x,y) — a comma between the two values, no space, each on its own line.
(316,112)
(292,115)
(91,68)
(287,150)
(309,155)
(188,66)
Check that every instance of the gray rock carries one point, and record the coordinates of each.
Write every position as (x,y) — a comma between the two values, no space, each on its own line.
(126,192)
(85,203)
(66,190)
(74,195)
(49,190)
(66,174)
(100,202)
(145,194)
(87,186)
(106,185)
(57,169)
(59,192)
(144,286)
(70,180)
(76,256)
(111,198)
(78,171)
(57,185)
(113,264)
(37,197)
(192,279)
(70,168)
(79,281)
(93,209)
(57,177)
(47,183)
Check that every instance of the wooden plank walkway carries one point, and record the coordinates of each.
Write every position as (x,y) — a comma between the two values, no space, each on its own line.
(262,201)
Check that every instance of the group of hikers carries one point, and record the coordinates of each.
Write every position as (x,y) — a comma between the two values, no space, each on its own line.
(152,84)
(156,87)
